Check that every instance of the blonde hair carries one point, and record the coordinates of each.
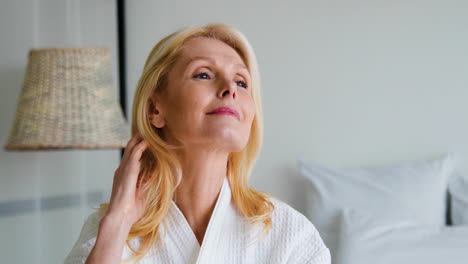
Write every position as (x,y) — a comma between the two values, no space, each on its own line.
(160,171)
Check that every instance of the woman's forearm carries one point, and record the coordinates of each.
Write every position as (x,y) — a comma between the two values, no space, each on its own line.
(112,234)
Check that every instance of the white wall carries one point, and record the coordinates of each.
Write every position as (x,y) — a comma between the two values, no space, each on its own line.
(67,182)
(345,83)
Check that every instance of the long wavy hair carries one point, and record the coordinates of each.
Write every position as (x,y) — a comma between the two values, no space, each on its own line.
(161,171)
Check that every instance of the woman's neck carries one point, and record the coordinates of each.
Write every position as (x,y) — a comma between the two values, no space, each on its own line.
(202,179)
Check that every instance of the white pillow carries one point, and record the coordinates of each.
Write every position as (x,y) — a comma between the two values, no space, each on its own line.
(413,190)
(365,240)
(458,189)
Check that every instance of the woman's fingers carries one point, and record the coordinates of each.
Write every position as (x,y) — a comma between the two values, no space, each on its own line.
(133,141)
(130,145)
(138,149)
(126,197)
(129,167)
(134,161)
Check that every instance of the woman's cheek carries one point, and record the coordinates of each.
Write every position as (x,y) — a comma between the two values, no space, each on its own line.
(251,109)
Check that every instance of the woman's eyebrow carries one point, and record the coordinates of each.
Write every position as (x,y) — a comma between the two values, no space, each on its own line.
(212,61)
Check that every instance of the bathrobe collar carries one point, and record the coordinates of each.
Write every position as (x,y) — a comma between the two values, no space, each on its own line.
(221,226)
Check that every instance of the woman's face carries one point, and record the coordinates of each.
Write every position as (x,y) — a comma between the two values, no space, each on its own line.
(209,74)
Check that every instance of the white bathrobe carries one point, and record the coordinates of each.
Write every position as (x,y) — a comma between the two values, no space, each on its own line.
(228,238)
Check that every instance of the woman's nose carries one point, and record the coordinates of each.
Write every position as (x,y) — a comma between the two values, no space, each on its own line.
(228,88)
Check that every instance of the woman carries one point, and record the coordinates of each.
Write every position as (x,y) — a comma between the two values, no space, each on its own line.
(180,194)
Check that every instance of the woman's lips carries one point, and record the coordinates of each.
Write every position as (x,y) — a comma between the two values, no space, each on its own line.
(225,111)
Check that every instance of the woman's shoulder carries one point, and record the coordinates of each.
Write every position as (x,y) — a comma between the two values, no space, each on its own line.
(86,239)
(298,233)
(286,215)
(90,226)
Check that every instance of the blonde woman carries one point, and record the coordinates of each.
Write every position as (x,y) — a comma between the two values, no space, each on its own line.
(181,194)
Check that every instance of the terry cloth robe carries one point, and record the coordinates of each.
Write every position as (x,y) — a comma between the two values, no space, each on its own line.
(229,238)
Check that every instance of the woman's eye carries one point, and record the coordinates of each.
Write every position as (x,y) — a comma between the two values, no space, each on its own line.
(205,76)
(243,83)
(202,74)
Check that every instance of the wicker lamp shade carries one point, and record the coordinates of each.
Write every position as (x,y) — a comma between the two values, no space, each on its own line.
(68,101)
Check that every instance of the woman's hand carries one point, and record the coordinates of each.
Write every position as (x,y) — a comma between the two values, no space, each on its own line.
(127,200)
(126,206)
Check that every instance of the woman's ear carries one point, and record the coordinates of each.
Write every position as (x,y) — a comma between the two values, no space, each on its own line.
(155,114)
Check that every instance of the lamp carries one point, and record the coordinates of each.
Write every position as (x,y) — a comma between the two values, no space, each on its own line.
(68,101)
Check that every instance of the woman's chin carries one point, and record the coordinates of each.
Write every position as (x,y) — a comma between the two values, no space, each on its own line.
(232,142)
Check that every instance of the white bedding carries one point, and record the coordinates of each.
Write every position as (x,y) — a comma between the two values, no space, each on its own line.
(410,190)
(459,200)
(365,240)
